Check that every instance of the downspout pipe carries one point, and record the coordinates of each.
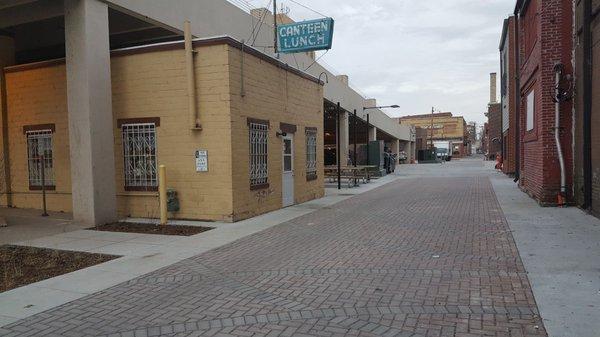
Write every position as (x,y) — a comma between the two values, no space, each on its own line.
(587,104)
(558,69)
(191,77)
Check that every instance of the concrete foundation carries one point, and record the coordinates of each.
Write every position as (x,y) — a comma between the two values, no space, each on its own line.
(90,111)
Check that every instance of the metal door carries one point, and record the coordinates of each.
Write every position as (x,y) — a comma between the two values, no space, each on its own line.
(288,170)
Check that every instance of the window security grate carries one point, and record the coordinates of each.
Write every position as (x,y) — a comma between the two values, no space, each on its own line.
(139,156)
(39,143)
(258,139)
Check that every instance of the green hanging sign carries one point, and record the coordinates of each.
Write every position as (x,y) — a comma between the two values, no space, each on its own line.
(305,36)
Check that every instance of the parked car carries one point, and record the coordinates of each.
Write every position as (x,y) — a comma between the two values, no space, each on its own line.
(402,157)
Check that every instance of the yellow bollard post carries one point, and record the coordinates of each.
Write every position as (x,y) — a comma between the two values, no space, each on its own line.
(162,193)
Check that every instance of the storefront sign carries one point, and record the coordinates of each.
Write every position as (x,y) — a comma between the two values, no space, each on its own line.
(305,36)
(201,161)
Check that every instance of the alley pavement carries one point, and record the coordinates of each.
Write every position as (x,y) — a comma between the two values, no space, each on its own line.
(429,254)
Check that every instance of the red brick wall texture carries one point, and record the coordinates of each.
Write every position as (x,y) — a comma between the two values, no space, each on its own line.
(545,36)
(495,129)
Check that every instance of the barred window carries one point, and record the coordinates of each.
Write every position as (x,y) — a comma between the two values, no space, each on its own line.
(311,153)
(139,156)
(258,139)
(39,143)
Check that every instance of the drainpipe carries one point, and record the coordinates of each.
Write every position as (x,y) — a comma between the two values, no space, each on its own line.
(587,104)
(191,77)
(558,68)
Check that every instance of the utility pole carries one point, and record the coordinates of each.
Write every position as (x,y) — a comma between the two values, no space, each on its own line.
(275,28)
(354,136)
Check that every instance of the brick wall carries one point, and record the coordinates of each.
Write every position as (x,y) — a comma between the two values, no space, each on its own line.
(545,38)
(494,129)
(278,96)
(36,97)
(445,126)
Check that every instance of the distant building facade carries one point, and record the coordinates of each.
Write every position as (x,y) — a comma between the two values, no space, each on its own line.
(421,136)
(471,137)
(442,126)
(485,138)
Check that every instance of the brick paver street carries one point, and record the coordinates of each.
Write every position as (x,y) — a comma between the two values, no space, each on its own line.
(416,257)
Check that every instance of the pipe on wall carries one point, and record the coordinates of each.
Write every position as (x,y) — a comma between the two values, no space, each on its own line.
(191,77)
(561,160)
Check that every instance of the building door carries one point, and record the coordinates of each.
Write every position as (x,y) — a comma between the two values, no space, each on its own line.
(288,170)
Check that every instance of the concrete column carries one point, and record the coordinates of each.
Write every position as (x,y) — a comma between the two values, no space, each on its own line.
(7,58)
(344,136)
(372,133)
(395,148)
(91,138)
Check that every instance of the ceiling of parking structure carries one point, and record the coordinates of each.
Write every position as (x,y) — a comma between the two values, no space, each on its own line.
(45,39)
(330,128)
(384,136)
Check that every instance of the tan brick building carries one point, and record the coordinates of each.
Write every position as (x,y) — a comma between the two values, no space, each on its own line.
(445,127)
(246,102)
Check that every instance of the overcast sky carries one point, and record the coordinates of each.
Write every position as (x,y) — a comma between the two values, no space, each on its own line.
(415,53)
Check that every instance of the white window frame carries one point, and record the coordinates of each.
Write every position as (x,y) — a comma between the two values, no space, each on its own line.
(311,153)
(39,142)
(530,121)
(140,160)
(258,140)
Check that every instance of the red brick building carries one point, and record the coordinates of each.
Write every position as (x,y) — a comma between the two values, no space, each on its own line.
(485,138)
(508,96)
(545,40)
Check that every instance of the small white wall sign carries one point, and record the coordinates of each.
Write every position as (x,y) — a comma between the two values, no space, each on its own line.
(201,161)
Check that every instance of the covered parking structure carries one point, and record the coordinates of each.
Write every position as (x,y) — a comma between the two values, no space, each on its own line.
(83,32)
(356,130)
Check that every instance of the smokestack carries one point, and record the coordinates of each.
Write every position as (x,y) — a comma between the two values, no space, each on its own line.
(493,98)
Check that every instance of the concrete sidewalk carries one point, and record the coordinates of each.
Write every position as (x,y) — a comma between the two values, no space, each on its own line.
(26,224)
(142,253)
(560,248)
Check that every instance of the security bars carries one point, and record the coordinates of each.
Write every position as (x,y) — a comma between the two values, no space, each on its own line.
(39,143)
(258,139)
(311,153)
(139,156)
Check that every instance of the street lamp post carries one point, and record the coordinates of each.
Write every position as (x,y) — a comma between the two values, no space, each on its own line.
(337,151)
(394,106)
(354,135)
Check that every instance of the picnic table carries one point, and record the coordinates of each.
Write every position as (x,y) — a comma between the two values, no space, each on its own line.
(353,173)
